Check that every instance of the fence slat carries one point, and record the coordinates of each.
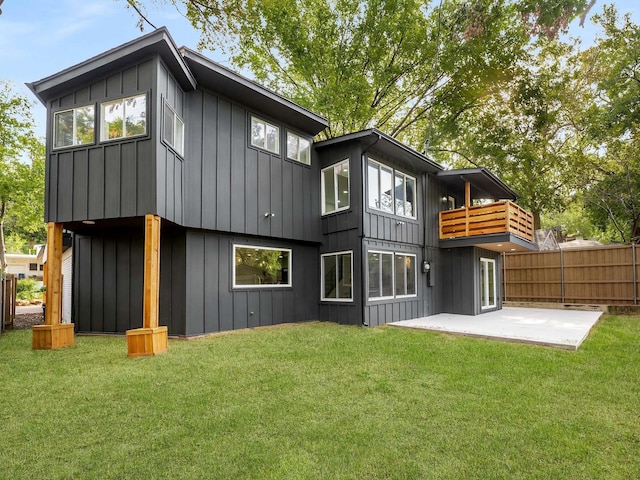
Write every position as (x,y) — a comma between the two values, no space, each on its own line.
(605,275)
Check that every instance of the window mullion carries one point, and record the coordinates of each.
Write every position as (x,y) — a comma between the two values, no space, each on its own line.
(335,186)
(337,277)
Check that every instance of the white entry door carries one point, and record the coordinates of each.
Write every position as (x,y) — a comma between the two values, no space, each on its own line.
(487,283)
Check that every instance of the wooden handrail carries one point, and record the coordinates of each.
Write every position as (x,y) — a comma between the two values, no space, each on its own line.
(491,218)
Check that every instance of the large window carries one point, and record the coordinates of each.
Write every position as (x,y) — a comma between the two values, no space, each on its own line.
(337,271)
(261,267)
(74,127)
(487,283)
(173,131)
(298,148)
(126,117)
(391,191)
(391,275)
(335,187)
(265,135)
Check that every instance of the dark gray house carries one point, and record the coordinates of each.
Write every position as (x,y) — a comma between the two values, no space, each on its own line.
(259,224)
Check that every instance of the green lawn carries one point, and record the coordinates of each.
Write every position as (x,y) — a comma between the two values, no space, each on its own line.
(322,401)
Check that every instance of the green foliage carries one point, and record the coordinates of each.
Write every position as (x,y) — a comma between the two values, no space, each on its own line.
(14,243)
(21,184)
(573,220)
(28,289)
(320,400)
(613,120)
(383,63)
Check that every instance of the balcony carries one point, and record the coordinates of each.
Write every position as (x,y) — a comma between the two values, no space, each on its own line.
(504,217)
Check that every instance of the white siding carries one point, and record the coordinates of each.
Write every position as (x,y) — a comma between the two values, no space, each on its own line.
(67,279)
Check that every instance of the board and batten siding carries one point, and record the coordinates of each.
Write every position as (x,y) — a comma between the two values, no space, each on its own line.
(108,280)
(379,312)
(460,278)
(213,305)
(230,185)
(170,165)
(105,179)
(347,313)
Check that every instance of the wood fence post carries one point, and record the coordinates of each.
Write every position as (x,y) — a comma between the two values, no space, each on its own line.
(561,276)
(151,339)
(54,333)
(635,275)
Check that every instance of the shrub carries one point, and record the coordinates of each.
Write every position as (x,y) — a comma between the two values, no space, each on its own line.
(28,289)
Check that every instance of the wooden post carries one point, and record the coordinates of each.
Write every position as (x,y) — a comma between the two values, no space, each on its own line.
(467,204)
(54,333)
(151,339)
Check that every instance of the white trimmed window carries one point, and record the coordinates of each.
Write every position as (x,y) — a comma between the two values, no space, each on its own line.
(487,283)
(173,131)
(126,117)
(391,275)
(298,148)
(265,135)
(335,187)
(75,126)
(261,267)
(390,191)
(337,272)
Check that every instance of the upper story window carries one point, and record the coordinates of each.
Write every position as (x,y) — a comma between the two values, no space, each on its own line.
(298,148)
(261,267)
(391,191)
(173,130)
(126,117)
(265,135)
(335,187)
(74,127)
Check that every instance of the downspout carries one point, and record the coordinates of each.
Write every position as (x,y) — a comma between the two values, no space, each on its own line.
(425,176)
(363,269)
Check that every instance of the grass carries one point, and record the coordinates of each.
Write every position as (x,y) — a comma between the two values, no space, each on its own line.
(320,400)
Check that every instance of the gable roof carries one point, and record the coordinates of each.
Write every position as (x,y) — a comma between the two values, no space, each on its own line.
(159,41)
(220,79)
(386,145)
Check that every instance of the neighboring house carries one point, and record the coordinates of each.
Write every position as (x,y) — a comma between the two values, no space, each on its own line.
(24,266)
(259,224)
(67,274)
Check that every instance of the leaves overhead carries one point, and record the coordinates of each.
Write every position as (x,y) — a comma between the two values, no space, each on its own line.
(21,184)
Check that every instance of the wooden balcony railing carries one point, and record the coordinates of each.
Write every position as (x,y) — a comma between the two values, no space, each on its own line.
(498,217)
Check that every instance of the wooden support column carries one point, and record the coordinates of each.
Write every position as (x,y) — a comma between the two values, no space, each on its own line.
(151,339)
(54,333)
(467,204)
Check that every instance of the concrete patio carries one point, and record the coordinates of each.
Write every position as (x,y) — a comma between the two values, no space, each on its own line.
(541,326)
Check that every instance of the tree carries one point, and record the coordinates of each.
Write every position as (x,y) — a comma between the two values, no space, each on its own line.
(613,199)
(383,63)
(526,129)
(613,193)
(21,184)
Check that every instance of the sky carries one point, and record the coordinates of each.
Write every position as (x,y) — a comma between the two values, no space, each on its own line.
(41,37)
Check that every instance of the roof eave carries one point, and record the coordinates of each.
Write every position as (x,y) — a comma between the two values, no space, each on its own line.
(313,122)
(374,132)
(159,41)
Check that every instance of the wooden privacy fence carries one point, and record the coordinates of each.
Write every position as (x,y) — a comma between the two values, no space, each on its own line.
(8,286)
(605,276)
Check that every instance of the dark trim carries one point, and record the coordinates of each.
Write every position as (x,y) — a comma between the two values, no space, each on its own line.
(389,145)
(156,42)
(479,240)
(484,184)
(236,87)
